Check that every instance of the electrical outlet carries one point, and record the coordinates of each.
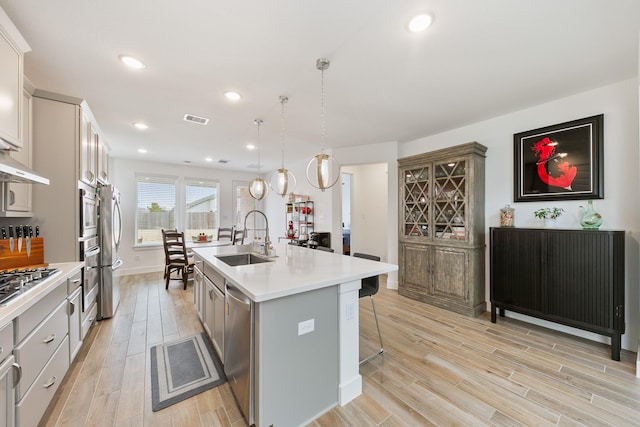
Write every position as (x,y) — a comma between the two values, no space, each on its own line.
(306,326)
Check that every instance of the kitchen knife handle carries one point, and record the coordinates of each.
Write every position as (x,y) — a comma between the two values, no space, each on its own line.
(37,231)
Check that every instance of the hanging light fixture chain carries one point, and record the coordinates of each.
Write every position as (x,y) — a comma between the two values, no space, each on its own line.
(283,99)
(322,111)
(258,122)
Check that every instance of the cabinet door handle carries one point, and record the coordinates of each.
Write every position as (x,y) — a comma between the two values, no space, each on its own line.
(210,293)
(12,198)
(1,350)
(75,281)
(72,308)
(49,339)
(51,382)
(18,376)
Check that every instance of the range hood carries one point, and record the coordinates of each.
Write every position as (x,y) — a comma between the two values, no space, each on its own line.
(12,170)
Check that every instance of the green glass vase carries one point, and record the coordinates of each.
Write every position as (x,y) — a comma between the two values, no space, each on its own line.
(590,219)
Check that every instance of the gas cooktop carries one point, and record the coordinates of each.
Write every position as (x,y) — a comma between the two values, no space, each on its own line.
(17,282)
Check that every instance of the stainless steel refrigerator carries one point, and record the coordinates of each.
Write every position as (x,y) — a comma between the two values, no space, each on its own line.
(110,233)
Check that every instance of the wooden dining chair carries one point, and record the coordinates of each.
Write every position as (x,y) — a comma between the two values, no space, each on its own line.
(238,237)
(225,233)
(176,257)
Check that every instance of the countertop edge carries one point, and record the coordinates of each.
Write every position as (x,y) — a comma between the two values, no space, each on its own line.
(29,299)
(339,269)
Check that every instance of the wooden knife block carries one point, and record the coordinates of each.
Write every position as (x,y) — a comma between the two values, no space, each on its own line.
(19,259)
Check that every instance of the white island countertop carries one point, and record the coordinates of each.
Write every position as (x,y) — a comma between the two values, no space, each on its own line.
(294,270)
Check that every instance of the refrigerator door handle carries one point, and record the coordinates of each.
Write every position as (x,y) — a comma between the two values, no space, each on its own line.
(116,265)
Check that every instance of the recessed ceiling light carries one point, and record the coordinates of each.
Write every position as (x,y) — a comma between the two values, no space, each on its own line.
(420,22)
(208,159)
(232,96)
(250,147)
(142,150)
(140,126)
(132,62)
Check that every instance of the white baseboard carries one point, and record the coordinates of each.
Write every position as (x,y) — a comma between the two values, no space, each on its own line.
(140,270)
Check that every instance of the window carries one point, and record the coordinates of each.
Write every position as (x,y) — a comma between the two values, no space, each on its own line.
(201,207)
(189,205)
(156,207)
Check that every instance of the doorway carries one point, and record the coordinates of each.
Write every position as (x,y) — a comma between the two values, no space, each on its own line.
(346,213)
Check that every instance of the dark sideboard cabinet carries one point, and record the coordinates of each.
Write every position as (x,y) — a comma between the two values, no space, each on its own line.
(572,277)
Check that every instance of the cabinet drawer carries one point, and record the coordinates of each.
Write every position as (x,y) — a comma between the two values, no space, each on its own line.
(34,352)
(89,319)
(30,409)
(6,341)
(26,322)
(74,282)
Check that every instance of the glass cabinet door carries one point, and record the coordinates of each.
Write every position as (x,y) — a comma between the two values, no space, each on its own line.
(416,202)
(450,200)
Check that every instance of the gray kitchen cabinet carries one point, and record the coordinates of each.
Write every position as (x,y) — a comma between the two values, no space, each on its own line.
(16,197)
(103,161)
(214,308)
(7,396)
(42,352)
(61,125)
(441,229)
(88,150)
(12,48)
(74,311)
(198,289)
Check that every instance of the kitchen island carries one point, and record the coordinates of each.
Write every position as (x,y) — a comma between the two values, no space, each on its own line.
(304,352)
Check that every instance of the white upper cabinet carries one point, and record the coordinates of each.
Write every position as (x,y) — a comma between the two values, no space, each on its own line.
(12,48)
(103,161)
(88,150)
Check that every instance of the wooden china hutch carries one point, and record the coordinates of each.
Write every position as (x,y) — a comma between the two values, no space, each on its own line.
(441,236)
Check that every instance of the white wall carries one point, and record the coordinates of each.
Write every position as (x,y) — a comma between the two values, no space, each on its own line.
(143,260)
(383,153)
(369,216)
(620,207)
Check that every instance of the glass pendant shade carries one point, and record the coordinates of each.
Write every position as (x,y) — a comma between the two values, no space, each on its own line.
(258,187)
(323,171)
(282,180)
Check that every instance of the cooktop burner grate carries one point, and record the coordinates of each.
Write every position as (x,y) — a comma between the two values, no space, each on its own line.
(17,282)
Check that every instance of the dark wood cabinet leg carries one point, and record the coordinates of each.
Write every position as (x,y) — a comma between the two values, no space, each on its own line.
(615,346)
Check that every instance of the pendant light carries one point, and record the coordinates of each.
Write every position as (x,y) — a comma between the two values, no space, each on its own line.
(257,187)
(282,180)
(323,170)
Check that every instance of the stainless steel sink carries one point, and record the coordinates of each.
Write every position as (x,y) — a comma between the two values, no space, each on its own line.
(242,259)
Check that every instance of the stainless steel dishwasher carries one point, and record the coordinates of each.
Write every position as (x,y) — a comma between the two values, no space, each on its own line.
(238,352)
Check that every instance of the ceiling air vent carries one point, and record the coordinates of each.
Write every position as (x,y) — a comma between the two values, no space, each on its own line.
(224,162)
(195,119)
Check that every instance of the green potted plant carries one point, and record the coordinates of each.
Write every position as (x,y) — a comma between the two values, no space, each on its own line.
(548,215)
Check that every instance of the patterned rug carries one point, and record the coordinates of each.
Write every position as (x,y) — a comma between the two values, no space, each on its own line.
(183,368)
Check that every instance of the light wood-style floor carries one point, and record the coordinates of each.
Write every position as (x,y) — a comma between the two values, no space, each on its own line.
(439,368)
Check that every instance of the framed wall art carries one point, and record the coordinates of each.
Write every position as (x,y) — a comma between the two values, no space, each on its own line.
(560,162)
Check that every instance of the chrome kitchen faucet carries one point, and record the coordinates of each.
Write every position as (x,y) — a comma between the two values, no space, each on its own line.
(267,240)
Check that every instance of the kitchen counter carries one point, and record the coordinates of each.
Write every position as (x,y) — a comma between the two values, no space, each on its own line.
(304,348)
(23,302)
(295,269)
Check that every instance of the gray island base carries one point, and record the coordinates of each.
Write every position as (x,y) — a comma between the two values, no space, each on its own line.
(304,349)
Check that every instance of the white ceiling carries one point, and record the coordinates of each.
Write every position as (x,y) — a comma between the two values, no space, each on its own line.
(480,59)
